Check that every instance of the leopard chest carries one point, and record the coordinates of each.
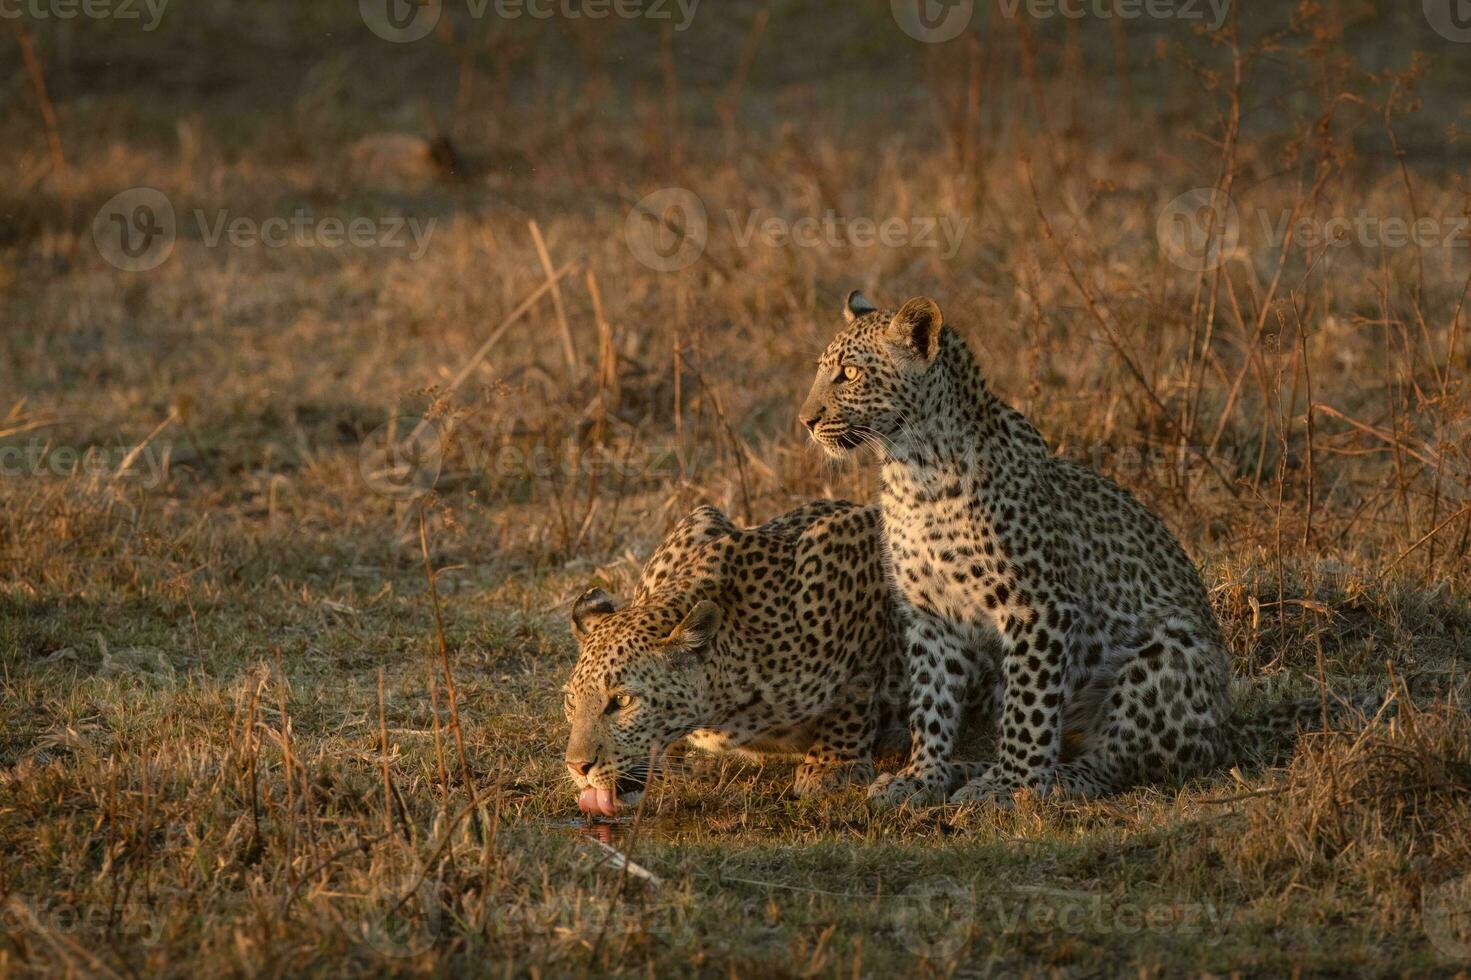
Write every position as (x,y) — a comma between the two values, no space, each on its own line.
(948,555)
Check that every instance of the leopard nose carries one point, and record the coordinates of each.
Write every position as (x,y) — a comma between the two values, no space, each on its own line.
(581,766)
(810,421)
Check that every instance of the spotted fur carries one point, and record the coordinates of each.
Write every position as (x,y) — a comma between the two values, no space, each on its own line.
(1100,623)
(778,639)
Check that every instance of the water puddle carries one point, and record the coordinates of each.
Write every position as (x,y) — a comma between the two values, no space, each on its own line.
(611,830)
(601,829)
(608,838)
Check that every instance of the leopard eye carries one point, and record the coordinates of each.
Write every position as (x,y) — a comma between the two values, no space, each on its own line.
(851,373)
(618,702)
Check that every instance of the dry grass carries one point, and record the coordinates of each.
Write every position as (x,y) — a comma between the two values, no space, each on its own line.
(199,770)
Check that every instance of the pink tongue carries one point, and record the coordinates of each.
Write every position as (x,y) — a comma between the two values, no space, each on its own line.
(594,800)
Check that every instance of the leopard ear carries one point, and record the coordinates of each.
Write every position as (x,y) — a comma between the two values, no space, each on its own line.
(591,607)
(915,329)
(697,628)
(857,306)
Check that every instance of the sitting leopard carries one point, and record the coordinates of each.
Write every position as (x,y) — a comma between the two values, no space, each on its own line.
(1112,666)
(778,639)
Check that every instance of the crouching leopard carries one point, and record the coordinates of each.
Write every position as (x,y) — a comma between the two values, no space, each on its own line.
(1112,668)
(778,639)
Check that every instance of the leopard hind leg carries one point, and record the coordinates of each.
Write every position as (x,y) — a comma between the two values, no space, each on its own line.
(1160,716)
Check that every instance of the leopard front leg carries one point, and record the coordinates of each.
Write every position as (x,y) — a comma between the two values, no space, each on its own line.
(842,749)
(941,667)
(1035,642)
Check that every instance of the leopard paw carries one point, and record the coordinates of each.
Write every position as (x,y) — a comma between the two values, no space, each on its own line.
(818,779)
(985,791)
(908,788)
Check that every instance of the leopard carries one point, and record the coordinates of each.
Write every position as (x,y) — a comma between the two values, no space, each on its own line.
(775,641)
(1009,561)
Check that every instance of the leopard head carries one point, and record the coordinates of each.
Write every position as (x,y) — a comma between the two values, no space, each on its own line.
(639,684)
(873,380)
